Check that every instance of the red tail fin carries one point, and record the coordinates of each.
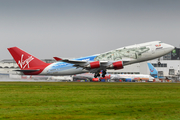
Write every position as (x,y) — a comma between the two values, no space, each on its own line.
(24,59)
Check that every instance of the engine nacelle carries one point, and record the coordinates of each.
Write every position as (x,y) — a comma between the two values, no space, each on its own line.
(95,64)
(95,79)
(116,65)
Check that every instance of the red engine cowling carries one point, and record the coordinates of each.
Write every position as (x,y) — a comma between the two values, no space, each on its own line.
(95,64)
(95,79)
(116,65)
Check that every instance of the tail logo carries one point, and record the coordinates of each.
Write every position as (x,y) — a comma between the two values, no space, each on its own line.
(23,63)
(152,70)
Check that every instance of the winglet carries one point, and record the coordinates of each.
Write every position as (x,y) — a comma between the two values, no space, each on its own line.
(57,59)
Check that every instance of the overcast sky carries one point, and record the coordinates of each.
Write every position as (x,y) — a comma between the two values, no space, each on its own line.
(77,28)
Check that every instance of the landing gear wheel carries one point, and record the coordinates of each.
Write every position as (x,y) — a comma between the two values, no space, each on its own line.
(104,73)
(159,63)
(98,75)
(95,76)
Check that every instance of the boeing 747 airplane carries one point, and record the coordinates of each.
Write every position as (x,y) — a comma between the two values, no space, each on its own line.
(114,59)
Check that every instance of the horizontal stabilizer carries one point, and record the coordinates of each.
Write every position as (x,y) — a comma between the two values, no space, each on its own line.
(57,58)
(27,70)
(69,60)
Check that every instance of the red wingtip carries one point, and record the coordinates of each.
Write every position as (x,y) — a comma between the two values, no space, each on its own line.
(57,59)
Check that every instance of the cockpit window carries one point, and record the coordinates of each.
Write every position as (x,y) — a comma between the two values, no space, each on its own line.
(160,42)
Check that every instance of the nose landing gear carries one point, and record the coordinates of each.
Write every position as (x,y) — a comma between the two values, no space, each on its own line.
(159,63)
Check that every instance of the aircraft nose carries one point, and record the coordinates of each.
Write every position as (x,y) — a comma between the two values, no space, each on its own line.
(171,47)
(168,48)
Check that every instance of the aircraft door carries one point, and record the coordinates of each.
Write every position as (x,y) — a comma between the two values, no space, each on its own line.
(152,48)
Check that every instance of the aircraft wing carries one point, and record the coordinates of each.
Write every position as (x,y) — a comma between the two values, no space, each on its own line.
(73,61)
(27,70)
(70,61)
(93,64)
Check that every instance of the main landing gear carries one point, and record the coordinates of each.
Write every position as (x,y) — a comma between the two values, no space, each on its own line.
(104,73)
(98,75)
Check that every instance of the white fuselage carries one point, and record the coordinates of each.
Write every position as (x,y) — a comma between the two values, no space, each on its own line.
(133,77)
(129,55)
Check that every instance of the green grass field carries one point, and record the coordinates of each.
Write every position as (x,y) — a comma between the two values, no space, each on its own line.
(101,101)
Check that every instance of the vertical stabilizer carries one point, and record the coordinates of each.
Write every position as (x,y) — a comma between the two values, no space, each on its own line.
(153,71)
(24,59)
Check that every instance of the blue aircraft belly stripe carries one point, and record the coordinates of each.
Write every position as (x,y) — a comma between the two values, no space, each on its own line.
(61,66)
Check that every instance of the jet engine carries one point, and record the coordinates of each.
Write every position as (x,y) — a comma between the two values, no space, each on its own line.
(95,79)
(95,64)
(116,65)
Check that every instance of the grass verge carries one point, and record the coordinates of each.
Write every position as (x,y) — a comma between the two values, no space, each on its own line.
(112,101)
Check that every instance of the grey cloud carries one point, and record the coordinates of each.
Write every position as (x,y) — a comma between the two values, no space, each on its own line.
(78,28)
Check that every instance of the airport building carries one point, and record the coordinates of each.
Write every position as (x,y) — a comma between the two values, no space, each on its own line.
(168,65)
